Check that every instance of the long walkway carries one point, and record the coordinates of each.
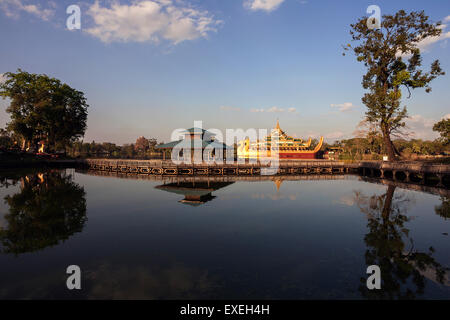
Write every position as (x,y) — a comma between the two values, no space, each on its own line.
(403,171)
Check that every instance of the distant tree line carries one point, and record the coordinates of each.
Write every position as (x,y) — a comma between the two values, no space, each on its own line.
(367,149)
(368,143)
(143,148)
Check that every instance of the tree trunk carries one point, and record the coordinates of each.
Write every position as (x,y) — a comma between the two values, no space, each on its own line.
(388,202)
(390,149)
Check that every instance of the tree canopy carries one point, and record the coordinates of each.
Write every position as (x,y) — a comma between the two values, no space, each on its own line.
(443,127)
(44,109)
(393,60)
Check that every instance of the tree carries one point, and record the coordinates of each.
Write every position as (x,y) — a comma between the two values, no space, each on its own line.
(141,144)
(43,108)
(6,141)
(372,135)
(443,209)
(392,57)
(152,143)
(443,127)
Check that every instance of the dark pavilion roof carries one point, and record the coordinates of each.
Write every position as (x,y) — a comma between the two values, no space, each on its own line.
(190,143)
(198,130)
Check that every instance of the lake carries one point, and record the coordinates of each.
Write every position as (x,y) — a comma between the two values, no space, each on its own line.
(140,237)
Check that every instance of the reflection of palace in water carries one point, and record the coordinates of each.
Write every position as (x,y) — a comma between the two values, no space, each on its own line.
(197,192)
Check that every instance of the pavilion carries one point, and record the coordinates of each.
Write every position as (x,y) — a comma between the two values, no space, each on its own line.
(196,139)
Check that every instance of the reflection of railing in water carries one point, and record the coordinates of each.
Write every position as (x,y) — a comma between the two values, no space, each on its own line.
(168,168)
(255,178)
(410,186)
(225,178)
(208,184)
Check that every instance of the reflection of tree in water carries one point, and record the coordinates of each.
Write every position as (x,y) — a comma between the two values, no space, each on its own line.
(49,208)
(403,268)
(444,208)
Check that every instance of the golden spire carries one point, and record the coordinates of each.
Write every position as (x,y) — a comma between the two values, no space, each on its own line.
(278,125)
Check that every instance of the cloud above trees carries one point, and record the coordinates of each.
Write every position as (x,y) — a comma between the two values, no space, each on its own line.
(150,21)
(343,107)
(262,5)
(274,109)
(13,8)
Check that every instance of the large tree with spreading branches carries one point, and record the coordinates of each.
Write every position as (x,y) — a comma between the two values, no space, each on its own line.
(44,109)
(392,57)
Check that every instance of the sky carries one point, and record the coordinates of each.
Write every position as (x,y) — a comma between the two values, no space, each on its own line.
(149,67)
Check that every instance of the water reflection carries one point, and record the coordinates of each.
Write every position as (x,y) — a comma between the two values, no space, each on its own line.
(195,192)
(390,246)
(49,208)
(142,243)
(443,209)
(139,282)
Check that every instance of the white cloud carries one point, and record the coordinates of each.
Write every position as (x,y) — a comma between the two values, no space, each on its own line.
(13,8)
(256,110)
(425,122)
(343,107)
(334,135)
(229,108)
(150,21)
(419,127)
(264,5)
(2,78)
(275,109)
(425,44)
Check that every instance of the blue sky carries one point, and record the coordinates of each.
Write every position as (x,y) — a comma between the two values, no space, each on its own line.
(149,67)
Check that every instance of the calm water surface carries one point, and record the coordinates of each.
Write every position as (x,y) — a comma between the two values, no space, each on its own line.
(274,239)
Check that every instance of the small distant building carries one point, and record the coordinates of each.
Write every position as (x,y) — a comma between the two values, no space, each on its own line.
(333,153)
(196,140)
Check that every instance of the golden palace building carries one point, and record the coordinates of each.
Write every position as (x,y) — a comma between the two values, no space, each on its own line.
(286,146)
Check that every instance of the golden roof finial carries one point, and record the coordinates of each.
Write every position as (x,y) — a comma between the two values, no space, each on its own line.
(278,125)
